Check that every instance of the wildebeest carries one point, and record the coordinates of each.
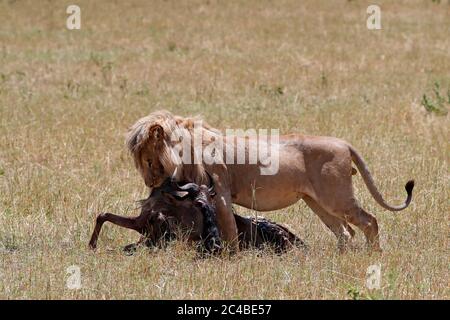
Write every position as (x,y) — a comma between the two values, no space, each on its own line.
(190,208)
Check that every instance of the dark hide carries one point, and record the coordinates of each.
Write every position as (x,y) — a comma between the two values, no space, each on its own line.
(189,208)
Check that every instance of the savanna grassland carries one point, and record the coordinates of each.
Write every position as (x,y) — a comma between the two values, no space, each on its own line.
(67,98)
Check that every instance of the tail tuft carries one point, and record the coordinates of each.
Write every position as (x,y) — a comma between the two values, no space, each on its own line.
(409,187)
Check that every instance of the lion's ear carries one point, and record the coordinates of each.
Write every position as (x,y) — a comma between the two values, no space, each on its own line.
(156,132)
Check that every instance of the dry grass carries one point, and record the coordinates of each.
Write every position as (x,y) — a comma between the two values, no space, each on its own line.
(67,97)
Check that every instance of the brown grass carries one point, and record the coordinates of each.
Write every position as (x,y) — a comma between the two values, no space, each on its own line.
(67,97)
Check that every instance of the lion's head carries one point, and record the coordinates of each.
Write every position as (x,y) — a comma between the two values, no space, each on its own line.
(152,140)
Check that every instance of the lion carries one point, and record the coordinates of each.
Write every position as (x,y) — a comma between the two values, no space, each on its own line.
(316,169)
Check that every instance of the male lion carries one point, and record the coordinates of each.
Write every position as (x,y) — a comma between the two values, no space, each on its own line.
(313,168)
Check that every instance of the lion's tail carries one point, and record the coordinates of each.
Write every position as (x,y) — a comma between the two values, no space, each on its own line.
(368,180)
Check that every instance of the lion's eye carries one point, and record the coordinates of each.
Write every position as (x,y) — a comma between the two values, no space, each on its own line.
(149,163)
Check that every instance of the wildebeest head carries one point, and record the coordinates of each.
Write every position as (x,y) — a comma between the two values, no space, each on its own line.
(186,206)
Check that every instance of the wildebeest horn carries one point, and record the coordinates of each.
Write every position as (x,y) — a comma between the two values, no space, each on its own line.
(178,194)
(173,188)
(189,187)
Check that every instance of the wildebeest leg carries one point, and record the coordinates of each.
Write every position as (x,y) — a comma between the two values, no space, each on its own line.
(133,223)
(339,227)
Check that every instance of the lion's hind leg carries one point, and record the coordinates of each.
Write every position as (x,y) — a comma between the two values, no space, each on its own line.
(367,223)
(343,206)
(341,229)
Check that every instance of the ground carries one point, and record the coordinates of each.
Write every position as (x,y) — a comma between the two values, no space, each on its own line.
(67,98)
